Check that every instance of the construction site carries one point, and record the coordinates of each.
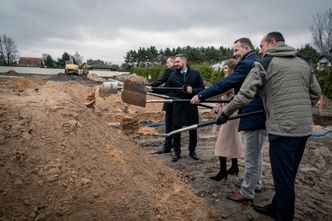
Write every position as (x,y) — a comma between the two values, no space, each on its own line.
(68,152)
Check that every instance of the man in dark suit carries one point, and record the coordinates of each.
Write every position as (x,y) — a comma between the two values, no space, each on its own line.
(184,113)
(168,107)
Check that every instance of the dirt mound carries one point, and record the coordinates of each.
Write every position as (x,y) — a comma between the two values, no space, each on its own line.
(66,77)
(60,161)
(21,83)
(96,78)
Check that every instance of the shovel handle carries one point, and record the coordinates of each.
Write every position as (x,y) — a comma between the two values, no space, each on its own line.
(168,97)
(206,123)
(158,95)
(175,100)
(210,122)
(167,88)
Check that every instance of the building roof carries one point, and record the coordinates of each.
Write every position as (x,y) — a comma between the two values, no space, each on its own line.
(218,66)
(97,64)
(325,59)
(30,62)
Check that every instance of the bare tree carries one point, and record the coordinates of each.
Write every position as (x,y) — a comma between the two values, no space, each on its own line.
(78,58)
(321,30)
(8,50)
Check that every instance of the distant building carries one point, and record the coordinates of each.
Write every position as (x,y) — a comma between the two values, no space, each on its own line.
(324,61)
(30,62)
(218,66)
(97,64)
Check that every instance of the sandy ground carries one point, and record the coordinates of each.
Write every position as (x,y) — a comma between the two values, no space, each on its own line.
(68,154)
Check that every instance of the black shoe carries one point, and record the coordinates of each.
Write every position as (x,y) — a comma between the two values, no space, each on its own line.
(193,155)
(221,175)
(164,150)
(266,210)
(233,171)
(259,190)
(176,157)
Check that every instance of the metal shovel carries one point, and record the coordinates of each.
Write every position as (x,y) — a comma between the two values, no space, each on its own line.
(209,106)
(139,99)
(210,122)
(113,87)
(136,86)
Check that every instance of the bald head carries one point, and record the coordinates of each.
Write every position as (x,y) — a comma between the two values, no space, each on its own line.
(170,62)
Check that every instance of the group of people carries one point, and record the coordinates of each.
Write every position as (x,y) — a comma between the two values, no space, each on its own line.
(277,82)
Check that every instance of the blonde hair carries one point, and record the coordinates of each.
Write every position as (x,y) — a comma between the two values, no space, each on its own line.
(231,63)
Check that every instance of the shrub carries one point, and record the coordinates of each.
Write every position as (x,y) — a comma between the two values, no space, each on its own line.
(154,72)
(324,78)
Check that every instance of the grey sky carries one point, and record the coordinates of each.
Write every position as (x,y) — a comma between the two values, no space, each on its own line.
(107,29)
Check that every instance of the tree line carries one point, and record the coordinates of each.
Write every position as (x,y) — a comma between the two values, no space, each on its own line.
(144,57)
(49,62)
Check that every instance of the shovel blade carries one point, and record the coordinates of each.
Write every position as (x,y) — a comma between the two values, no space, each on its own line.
(134,86)
(134,98)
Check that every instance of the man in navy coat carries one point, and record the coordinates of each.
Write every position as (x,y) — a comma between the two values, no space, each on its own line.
(253,126)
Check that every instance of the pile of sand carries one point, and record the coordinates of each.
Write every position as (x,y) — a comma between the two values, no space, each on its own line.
(60,161)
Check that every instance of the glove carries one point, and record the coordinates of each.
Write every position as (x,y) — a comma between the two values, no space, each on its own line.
(184,88)
(148,88)
(223,118)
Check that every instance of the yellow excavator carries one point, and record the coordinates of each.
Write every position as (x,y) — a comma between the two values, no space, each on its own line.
(71,68)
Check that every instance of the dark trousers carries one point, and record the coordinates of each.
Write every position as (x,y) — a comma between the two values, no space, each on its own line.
(285,157)
(168,128)
(177,140)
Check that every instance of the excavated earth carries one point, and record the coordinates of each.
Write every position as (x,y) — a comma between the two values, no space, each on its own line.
(67,153)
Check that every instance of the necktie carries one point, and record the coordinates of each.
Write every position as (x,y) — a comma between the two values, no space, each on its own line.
(184,75)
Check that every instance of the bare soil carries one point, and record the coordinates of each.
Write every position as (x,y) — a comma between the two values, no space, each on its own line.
(68,154)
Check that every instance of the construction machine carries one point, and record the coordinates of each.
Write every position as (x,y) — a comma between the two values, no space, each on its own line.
(71,68)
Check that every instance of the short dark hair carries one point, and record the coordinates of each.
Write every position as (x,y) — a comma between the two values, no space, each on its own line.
(277,36)
(181,56)
(245,42)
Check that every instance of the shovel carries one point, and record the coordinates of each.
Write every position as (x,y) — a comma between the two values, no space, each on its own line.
(139,87)
(135,93)
(206,123)
(139,99)
(168,97)
(113,87)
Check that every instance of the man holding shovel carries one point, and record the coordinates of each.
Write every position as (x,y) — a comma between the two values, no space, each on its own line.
(289,89)
(184,113)
(167,107)
(253,126)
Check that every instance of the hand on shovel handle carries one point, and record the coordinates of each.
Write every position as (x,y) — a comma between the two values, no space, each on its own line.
(210,122)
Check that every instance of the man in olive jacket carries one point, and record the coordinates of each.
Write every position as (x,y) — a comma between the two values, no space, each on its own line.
(289,89)
(184,113)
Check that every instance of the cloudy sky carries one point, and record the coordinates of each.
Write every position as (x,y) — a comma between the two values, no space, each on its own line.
(107,29)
